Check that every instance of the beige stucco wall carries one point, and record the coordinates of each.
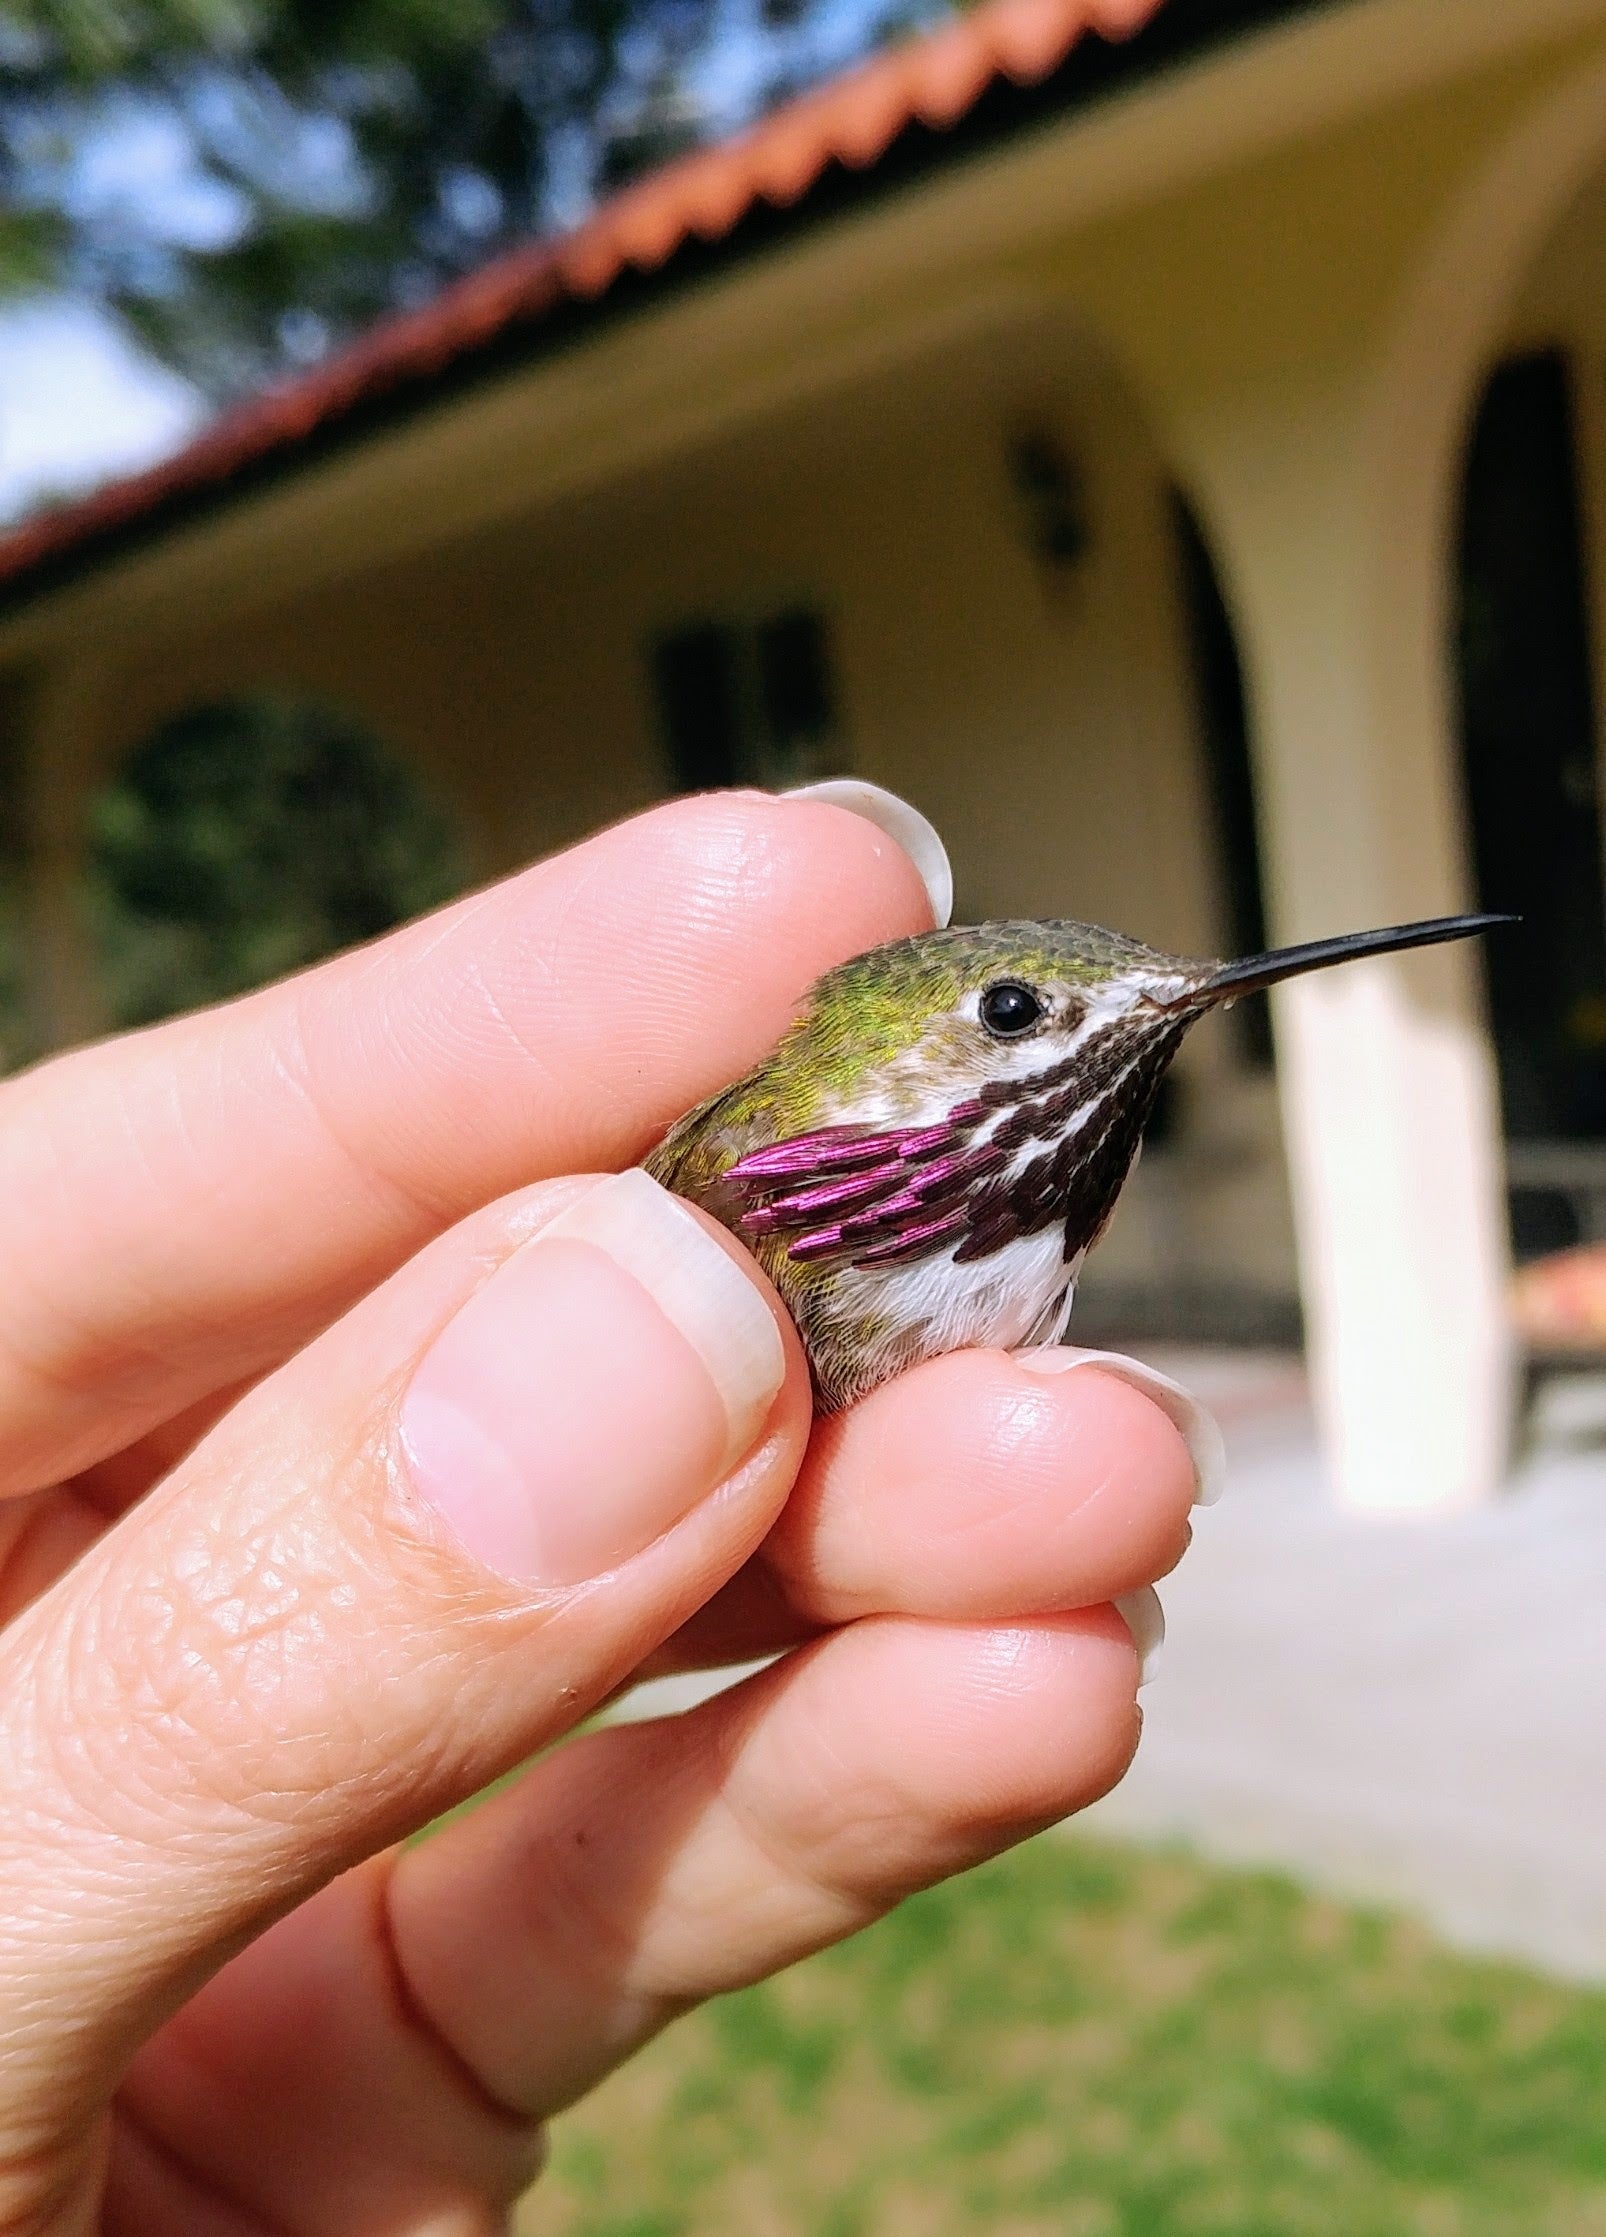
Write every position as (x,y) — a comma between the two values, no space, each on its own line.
(1299,333)
(1048,726)
(1311,331)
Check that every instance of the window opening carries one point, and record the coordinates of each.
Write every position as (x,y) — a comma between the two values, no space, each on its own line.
(748,702)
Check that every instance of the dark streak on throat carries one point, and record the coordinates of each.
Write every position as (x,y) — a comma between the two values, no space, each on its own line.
(1079,1179)
(850,1194)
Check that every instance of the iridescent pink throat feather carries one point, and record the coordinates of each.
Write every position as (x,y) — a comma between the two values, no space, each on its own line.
(877,1198)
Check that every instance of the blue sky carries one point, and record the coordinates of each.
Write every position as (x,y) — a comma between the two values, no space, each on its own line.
(80,403)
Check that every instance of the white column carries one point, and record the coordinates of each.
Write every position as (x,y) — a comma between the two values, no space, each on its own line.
(1389,1102)
(1309,332)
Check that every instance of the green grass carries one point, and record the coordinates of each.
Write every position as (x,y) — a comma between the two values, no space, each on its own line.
(1082,2041)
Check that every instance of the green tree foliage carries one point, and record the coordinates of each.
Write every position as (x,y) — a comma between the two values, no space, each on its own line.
(248,838)
(246,182)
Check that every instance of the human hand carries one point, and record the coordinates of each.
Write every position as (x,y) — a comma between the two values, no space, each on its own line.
(352,1450)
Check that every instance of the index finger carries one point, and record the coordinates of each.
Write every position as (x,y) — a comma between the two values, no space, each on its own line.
(180,1208)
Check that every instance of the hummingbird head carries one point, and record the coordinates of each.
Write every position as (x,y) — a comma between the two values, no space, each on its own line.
(963,1089)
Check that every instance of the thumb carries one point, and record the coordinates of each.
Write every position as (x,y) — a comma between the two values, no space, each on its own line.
(422,1549)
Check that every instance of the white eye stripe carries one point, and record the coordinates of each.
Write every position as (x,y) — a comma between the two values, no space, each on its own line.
(922,1084)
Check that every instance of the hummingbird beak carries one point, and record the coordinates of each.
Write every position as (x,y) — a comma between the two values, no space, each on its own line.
(1256,971)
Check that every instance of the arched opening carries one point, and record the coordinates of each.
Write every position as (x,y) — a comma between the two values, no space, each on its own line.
(1224,745)
(1529,662)
(248,837)
(1530,746)
(1209,1208)
(1395,1125)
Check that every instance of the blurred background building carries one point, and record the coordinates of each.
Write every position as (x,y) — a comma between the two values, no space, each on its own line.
(1166,442)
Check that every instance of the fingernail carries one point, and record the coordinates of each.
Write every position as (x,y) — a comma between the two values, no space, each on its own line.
(1200,1430)
(1144,1617)
(600,1384)
(913,832)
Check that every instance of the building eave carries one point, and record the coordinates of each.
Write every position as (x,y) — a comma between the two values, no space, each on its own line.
(1000,70)
(941,207)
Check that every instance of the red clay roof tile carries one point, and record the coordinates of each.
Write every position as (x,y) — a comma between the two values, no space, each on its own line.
(934,80)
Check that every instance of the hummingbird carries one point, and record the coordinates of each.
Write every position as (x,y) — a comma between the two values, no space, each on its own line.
(928,1155)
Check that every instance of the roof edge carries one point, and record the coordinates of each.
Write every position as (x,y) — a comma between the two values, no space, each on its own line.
(958,92)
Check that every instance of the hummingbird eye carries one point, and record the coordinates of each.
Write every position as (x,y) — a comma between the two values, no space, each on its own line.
(1010,1009)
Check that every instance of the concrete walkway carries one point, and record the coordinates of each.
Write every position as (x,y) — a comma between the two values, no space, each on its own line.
(1409,1711)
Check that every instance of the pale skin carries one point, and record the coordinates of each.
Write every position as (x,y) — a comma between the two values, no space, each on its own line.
(244,1655)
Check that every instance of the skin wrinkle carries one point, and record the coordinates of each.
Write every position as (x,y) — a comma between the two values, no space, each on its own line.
(394,1700)
(495,1008)
(722,905)
(1015,1447)
(834,1777)
(666,954)
(596,1933)
(1014,1430)
(86,1365)
(784,1867)
(577,929)
(258,1753)
(348,983)
(726,862)
(1130,1529)
(39,2186)
(83,1358)
(413,2018)
(177,1678)
(573,1083)
(458,1032)
(294,1068)
(126,1804)
(218,1587)
(860,1832)
(353,1019)
(43,1195)
(721,889)
(238,2220)
(551,1086)
(52,1530)
(123,1788)
(1099,1490)
(161,1113)
(108,1487)
(571,1914)
(376,958)
(714,900)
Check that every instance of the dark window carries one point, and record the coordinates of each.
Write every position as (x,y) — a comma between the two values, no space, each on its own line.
(1528,733)
(747,703)
(1528,740)
(1049,491)
(794,678)
(695,671)
(1229,776)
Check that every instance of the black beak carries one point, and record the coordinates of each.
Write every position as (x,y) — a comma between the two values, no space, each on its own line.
(1257,971)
